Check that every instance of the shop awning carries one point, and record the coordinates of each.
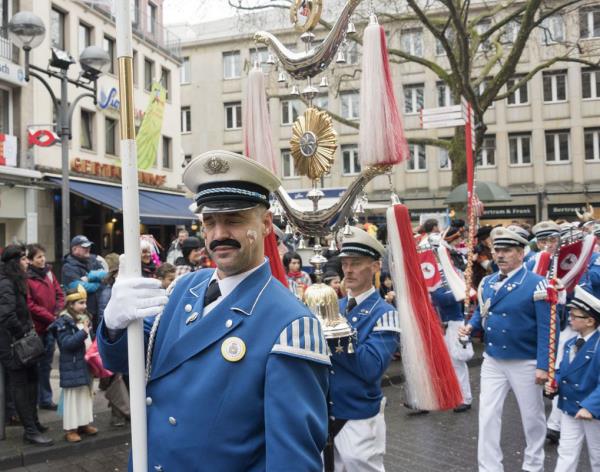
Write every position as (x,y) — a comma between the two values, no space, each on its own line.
(156,208)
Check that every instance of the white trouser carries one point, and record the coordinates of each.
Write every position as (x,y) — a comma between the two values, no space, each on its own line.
(460,366)
(556,414)
(360,445)
(497,378)
(572,434)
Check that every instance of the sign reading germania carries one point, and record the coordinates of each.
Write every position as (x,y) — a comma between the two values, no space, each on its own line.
(112,172)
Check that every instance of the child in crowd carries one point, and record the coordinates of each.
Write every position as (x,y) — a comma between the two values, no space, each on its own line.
(72,332)
(298,280)
(166,274)
(578,385)
(333,280)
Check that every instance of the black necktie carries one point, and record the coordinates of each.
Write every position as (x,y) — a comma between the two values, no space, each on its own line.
(351,304)
(501,277)
(212,292)
(579,343)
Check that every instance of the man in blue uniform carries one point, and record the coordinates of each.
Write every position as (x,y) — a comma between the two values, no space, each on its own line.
(357,418)
(547,238)
(514,316)
(238,370)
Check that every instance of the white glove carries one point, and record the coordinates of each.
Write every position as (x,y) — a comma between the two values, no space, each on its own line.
(134,298)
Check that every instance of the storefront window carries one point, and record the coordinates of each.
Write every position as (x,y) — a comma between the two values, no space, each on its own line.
(4,111)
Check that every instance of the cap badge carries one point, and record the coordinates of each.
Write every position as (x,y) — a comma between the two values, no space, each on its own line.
(216,165)
(233,349)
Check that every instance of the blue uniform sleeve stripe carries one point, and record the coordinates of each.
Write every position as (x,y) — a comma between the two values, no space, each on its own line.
(389,321)
(303,338)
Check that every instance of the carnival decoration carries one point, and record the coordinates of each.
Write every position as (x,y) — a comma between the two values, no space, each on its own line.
(149,134)
(430,378)
(573,258)
(307,10)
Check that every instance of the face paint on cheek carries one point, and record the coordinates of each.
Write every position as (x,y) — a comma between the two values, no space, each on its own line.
(251,235)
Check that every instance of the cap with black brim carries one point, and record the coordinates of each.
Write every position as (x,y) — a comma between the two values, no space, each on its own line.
(586,302)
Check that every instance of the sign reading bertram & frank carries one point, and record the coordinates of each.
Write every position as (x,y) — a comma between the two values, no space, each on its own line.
(567,210)
(514,211)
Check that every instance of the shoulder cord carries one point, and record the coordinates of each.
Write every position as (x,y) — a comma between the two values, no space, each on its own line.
(151,345)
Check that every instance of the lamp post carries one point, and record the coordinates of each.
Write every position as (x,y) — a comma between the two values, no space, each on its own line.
(27,30)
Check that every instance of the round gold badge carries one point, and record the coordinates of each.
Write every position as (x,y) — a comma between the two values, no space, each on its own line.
(233,349)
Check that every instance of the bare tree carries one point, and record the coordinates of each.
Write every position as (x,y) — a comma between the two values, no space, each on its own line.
(482,44)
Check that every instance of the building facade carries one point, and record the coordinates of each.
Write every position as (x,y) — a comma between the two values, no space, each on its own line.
(94,163)
(542,142)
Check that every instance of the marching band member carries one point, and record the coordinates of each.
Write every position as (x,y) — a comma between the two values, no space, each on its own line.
(239,367)
(578,385)
(357,411)
(547,236)
(514,316)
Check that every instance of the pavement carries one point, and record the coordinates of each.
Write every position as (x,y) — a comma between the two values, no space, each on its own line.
(438,441)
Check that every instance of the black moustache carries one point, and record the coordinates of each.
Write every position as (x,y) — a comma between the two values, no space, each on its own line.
(225,242)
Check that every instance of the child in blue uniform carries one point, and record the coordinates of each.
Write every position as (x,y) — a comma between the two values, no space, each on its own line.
(578,385)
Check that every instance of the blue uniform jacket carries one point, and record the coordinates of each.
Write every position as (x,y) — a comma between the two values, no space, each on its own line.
(355,381)
(579,381)
(517,324)
(446,305)
(267,411)
(591,278)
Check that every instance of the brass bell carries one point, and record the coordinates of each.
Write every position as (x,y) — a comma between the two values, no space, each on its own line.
(270,59)
(347,230)
(322,300)
(340,58)
(351,28)
(302,243)
(288,229)
(350,347)
(332,245)
(295,90)
(281,78)
(324,82)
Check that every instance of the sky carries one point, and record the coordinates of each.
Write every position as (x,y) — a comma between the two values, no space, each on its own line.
(195,11)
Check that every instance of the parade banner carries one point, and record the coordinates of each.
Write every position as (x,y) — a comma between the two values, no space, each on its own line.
(149,134)
(429,268)
(573,260)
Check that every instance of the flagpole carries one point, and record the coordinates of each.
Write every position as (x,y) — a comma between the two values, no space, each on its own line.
(131,225)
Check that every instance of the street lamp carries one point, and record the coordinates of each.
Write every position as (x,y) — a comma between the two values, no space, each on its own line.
(27,30)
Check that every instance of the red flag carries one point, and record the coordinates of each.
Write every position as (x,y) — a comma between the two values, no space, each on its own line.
(272,253)
(429,268)
(573,260)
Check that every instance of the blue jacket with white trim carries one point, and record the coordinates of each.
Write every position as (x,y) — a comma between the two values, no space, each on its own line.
(355,380)
(446,305)
(579,381)
(265,411)
(516,318)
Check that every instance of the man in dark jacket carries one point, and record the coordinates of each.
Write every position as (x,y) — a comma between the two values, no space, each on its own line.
(80,267)
(192,256)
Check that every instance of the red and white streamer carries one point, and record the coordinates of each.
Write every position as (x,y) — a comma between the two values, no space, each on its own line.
(542,263)
(430,378)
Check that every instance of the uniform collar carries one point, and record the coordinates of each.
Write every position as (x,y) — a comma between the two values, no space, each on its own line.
(363,296)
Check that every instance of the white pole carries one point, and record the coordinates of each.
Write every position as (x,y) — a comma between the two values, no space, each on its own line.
(131,235)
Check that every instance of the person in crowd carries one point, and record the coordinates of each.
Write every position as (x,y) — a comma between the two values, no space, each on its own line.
(191,259)
(45,300)
(515,317)
(333,280)
(483,262)
(386,290)
(15,323)
(357,425)
(578,385)
(148,264)
(166,274)
(454,241)
(292,262)
(227,340)
(176,248)
(112,263)
(80,267)
(547,237)
(72,332)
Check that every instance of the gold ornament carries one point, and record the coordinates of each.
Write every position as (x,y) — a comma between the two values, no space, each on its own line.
(313,143)
(309,10)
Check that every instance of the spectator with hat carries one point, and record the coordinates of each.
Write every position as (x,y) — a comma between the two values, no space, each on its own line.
(484,262)
(191,260)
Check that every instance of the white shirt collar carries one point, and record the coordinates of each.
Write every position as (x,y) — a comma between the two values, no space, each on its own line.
(587,336)
(363,296)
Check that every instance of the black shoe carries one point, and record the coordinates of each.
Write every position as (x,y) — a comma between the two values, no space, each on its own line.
(462,408)
(49,406)
(414,411)
(552,436)
(41,428)
(38,439)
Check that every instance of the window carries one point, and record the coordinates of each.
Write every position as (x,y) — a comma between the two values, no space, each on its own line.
(232,65)
(350,105)
(591,137)
(85,36)
(519,96)
(148,74)
(5,111)
(511,31)
(444,95)
(57,29)
(417,160)
(444,159)
(135,13)
(413,98)
(109,47)
(187,158)
(165,80)
(186,119)
(185,71)
(481,88)
(487,155)
(151,27)
(519,148)
(590,83)
(350,162)
(233,115)
(110,136)
(555,86)
(167,161)
(353,53)
(290,109)
(482,27)
(589,22)
(321,101)
(135,67)
(557,146)
(439,48)
(553,29)
(261,55)
(87,129)
(287,164)
(411,41)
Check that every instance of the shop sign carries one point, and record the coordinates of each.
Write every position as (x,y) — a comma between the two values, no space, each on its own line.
(110,101)
(8,150)
(12,73)
(85,166)
(503,212)
(567,210)
(415,213)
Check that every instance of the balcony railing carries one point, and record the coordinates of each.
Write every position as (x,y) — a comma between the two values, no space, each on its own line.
(146,29)
(7,48)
